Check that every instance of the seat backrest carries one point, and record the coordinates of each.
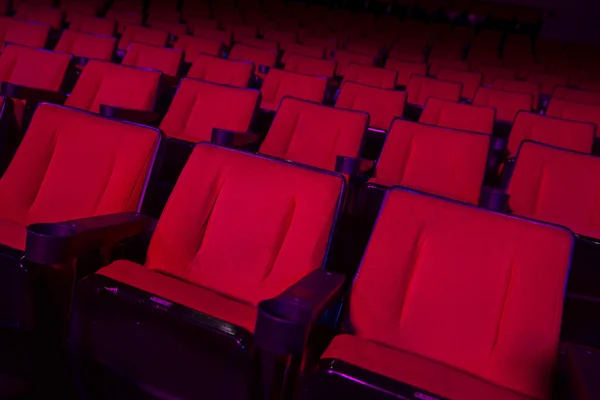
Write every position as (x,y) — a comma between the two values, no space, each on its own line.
(87,45)
(282,37)
(574,111)
(124,19)
(372,76)
(142,34)
(72,164)
(255,55)
(279,84)
(302,49)
(35,68)
(163,59)
(310,65)
(512,85)
(491,73)
(260,43)
(240,31)
(40,14)
(548,82)
(27,33)
(570,135)
(465,117)
(405,70)
(200,106)
(221,70)
(226,37)
(420,88)
(93,25)
(470,80)
(580,96)
(382,105)
(192,46)
(314,134)
(557,186)
(281,233)
(114,85)
(437,65)
(344,58)
(330,44)
(437,263)
(175,29)
(507,104)
(442,161)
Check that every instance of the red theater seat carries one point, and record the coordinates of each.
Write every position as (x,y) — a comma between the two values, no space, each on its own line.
(325,132)
(220,70)
(465,117)
(345,58)
(261,58)
(214,34)
(124,19)
(432,262)
(27,33)
(310,66)
(382,105)
(204,23)
(174,29)
(570,135)
(330,44)
(257,42)
(141,34)
(420,88)
(491,73)
(436,160)
(574,111)
(192,46)
(40,14)
(510,85)
(76,8)
(548,82)
(93,25)
(405,70)
(240,31)
(163,59)
(436,66)
(302,49)
(507,104)
(552,185)
(161,14)
(577,95)
(470,80)
(103,83)
(372,76)
(284,38)
(199,106)
(279,84)
(86,45)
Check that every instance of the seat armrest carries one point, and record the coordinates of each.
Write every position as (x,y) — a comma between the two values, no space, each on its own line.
(57,243)
(30,94)
(582,366)
(128,114)
(494,199)
(283,323)
(227,138)
(352,166)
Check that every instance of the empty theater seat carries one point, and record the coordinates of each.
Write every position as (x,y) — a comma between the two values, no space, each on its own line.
(345,58)
(302,49)
(87,46)
(142,34)
(93,25)
(192,46)
(470,80)
(257,42)
(570,135)
(548,82)
(574,111)
(546,185)
(163,59)
(382,105)
(290,211)
(199,106)
(27,33)
(226,37)
(310,65)
(284,38)
(372,76)
(490,74)
(449,114)
(279,84)
(466,256)
(576,95)
(325,132)
(507,104)
(405,70)
(174,29)
(40,14)
(420,88)
(103,83)
(436,160)
(263,59)
(519,86)
(220,70)
(124,19)
(437,65)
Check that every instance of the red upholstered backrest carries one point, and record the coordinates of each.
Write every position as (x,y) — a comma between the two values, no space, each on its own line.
(27,33)
(580,96)
(449,114)
(383,105)
(257,42)
(87,45)
(344,58)
(200,106)
(405,70)
(225,37)
(474,290)
(174,28)
(254,55)
(192,46)
(93,25)
(282,37)
(507,104)
(247,250)
(558,186)
(72,164)
(40,14)
(570,135)
(162,59)
(124,19)
(142,34)
(574,111)
(313,134)
(420,88)
(470,80)
(75,8)
(442,161)
(310,65)
(304,50)
(548,81)
(491,73)
(437,65)
(279,84)
(40,69)
(220,70)
(372,76)
(512,85)
(115,85)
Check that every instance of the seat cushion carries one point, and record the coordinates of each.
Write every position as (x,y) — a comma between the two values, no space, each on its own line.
(181,292)
(12,234)
(416,371)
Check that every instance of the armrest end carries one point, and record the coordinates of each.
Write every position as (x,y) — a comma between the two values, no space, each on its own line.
(31,94)
(127,114)
(227,138)
(494,199)
(352,166)
(583,364)
(284,322)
